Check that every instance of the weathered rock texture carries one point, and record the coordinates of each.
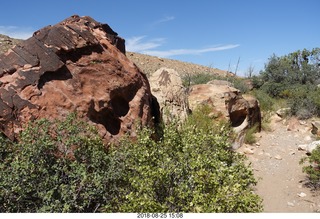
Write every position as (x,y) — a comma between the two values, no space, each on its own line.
(228,103)
(76,65)
(166,85)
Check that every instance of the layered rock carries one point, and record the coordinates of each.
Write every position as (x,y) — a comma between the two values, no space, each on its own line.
(166,86)
(77,65)
(228,103)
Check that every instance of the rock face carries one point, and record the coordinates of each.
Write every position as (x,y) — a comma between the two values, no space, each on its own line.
(77,65)
(166,85)
(227,102)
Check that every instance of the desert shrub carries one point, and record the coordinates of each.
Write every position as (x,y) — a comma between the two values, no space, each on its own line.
(266,102)
(63,166)
(240,85)
(250,137)
(200,78)
(188,170)
(273,89)
(59,166)
(203,78)
(304,101)
(257,81)
(303,108)
(313,168)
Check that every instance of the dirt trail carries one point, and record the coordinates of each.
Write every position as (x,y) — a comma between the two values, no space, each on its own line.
(275,160)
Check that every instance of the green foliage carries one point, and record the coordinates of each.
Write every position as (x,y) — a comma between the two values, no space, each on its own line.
(304,101)
(188,170)
(240,85)
(63,166)
(57,166)
(293,77)
(250,137)
(266,102)
(313,167)
(299,67)
(203,78)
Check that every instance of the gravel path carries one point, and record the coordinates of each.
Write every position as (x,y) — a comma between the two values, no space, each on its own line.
(275,160)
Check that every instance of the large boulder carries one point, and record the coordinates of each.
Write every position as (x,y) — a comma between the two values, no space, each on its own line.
(242,111)
(77,65)
(166,85)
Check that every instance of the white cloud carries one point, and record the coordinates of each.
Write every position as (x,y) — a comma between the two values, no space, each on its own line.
(174,52)
(164,19)
(140,45)
(16,32)
(136,44)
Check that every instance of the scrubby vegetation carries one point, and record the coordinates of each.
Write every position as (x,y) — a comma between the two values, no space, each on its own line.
(313,168)
(63,166)
(293,80)
(203,78)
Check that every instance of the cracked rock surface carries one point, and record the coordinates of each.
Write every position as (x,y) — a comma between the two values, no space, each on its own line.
(77,65)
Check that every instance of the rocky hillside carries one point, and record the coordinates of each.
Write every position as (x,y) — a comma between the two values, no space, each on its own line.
(148,64)
(6,43)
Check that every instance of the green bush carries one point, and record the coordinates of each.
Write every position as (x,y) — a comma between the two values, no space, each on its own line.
(266,102)
(304,101)
(201,78)
(63,166)
(313,168)
(189,170)
(59,166)
(250,137)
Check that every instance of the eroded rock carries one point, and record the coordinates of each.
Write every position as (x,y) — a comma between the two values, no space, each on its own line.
(166,86)
(77,65)
(243,111)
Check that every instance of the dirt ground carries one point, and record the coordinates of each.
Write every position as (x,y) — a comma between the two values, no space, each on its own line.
(275,160)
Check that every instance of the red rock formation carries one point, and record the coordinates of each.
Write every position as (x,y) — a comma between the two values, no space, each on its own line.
(77,65)
(243,111)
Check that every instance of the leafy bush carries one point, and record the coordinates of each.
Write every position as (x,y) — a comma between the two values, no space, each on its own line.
(250,137)
(59,166)
(304,101)
(201,78)
(266,102)
(189,170)
(313,167)
(63,166)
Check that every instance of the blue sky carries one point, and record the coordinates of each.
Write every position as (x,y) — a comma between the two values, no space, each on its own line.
(214,33)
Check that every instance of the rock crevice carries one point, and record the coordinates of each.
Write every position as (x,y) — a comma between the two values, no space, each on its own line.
(77,65)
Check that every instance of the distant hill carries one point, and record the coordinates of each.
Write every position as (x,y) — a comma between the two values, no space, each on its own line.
(6,43)
(147,64)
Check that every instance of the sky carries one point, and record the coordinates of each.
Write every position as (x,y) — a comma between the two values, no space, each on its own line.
(231,35)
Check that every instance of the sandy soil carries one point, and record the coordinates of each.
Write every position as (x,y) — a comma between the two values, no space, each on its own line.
(275,160)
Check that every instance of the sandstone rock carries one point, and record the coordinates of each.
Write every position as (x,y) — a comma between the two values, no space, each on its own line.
(228,103)
(283,112)
(77,65)
(312,146)
(302,147)
(221,82)
(278,157)
(302,194)
(166,85)
(315,127)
